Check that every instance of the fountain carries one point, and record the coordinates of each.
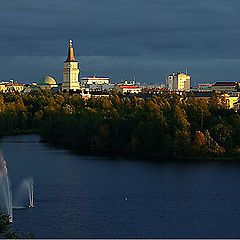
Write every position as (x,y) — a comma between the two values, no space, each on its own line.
(26,189)
(5,189)
(29,185)
(25,193)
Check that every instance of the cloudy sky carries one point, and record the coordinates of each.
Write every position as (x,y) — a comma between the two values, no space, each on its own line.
(121,39)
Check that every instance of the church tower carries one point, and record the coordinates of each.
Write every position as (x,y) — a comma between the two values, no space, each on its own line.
(70,71)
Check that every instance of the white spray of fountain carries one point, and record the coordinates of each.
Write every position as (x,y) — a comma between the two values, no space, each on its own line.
(28,182)
(5,189)
(24,194)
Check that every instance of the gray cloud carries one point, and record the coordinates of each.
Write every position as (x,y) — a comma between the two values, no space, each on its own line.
(121,39)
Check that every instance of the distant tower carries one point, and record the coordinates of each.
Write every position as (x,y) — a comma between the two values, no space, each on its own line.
(70,71)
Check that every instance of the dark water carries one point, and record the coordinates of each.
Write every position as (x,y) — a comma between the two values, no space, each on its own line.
(95,197)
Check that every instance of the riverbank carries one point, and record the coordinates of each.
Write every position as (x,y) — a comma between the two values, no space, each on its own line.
(132,157)
(19,132)
(152,158)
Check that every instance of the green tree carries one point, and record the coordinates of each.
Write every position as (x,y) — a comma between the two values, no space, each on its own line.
(6,228)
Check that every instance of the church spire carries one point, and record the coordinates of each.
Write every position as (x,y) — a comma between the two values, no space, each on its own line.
(70,57)
(70,71)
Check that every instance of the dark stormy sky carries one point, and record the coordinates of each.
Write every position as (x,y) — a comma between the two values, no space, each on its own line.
(121,38)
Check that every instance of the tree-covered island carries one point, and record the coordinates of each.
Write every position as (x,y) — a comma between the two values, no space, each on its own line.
(166,125)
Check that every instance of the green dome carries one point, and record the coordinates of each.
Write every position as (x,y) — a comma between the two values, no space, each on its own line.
(47,81)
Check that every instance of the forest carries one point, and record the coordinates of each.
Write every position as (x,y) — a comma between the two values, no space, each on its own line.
(167,126)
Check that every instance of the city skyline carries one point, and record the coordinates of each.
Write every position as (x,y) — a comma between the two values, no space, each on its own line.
(122,40)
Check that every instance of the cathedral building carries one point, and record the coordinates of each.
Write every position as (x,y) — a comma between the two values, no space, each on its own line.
(70,71)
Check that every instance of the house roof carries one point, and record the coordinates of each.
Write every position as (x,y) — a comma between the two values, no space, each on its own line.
(14,84)
(94,77)
(128,87)
(225,84)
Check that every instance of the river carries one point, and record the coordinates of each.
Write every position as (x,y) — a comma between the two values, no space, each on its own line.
(99,197)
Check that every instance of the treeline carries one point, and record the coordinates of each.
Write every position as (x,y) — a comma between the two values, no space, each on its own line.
(166,125)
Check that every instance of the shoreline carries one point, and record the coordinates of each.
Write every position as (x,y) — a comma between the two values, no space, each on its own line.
(160,158)
(20,132)
(132,157)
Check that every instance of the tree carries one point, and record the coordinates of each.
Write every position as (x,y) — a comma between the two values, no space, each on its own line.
(6,228)
(199,143)
(222,134)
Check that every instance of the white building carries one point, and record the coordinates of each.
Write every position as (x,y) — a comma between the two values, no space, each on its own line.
(70,71)
(178,82)
(100,87)
(128,88)
(94,80)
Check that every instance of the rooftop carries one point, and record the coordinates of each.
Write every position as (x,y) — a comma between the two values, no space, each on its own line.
(225,84)
(94,76)
(128,86)
(205,84)
(47,81)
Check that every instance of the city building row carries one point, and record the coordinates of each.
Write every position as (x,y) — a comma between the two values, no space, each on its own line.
(99,85)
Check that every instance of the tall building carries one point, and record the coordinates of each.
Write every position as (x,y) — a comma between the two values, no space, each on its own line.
(70,71)
(178,82)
